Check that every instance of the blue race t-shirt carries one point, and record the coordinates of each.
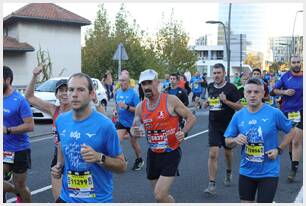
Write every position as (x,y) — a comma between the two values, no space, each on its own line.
(288,81)
(261,129)
(166,83)
(95,183)
(196,85)
(128,97)
(15,108)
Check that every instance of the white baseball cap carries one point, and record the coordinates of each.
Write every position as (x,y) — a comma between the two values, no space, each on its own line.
(148,74)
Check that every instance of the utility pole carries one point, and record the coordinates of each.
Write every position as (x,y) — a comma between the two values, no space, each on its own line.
(229,42)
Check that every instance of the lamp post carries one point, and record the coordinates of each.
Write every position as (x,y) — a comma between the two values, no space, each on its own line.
(226,44)
(293,39)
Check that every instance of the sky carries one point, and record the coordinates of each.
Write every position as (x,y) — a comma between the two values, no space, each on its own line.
(192,15)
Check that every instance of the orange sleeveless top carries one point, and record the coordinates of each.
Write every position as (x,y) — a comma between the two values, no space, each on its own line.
(160,126)
(55,115)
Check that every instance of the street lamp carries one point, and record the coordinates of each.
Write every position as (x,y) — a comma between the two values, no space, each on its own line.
(293,39)
(226,44)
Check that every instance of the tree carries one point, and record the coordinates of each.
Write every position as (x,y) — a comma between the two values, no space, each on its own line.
(171,46)
(97,52)
(255,60)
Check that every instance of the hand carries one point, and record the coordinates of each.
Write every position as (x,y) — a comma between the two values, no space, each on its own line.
(122,105)
(37,70)
(289,92)
(272,154)
(223,97)
(4,130)
(137,132)
(89,154)
(56,170)
(205,104)
(241,139)
(180,135)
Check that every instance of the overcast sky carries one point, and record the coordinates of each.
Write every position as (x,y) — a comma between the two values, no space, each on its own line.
(193,16)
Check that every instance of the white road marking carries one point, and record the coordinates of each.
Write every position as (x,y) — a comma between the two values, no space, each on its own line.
(32,193)
(49,186)
(41,139)
(194,135)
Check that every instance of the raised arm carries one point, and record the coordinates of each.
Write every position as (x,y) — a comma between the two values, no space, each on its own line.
(35,101)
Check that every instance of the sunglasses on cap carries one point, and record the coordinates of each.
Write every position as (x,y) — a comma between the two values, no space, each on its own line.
(297,62)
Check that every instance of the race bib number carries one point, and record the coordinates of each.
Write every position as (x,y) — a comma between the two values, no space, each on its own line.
(8,157)
(254,152)
(294,116)
(244,102)
(196,85)
(157,140)
(215,104)
(80,184)
(270,101)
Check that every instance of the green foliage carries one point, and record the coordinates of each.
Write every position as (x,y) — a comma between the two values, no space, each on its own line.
(43,58)
(167,53)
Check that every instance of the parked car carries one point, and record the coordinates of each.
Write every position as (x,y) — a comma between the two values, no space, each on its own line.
(46,91)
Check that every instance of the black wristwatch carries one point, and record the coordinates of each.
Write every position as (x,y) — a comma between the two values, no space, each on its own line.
(128,107)
(102,159)
(279,150)
(8,130)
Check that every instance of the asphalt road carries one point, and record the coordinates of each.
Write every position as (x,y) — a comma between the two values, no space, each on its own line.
(133,187)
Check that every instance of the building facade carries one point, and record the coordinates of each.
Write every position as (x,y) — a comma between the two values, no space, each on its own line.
(44,26)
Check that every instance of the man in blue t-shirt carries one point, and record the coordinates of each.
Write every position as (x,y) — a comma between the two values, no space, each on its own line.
(290,86)
(89,148)
(196,88)
(17,120)
(126,100)
(255,127)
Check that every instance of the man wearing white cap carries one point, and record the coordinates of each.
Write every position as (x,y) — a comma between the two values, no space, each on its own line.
(160,114)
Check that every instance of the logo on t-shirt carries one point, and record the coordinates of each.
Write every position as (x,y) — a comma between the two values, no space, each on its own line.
(76,135)
(161,115)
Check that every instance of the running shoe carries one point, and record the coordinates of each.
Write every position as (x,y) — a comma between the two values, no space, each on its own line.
(291,176)
(138,164)
(227,180)
(211,189)
(18,199)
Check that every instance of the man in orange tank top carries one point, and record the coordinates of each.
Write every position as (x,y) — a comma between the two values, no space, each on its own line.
(160,113)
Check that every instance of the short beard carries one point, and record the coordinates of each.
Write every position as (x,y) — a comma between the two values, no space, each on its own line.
(296,69)
(81,109)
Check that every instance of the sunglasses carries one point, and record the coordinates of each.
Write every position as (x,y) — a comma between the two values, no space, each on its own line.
(296,62)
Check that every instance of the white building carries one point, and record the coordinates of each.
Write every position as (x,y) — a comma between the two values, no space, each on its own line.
(46,26)
(208,55)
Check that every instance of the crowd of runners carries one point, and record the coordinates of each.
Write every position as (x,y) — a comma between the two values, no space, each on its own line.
(88,145)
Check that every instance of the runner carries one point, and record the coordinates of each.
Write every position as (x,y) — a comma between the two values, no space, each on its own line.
(197,89)
(88,150)
(177,91)
(17,121)
(223,100)
(256,73)
(53,111)
(126,101)
(290,86)
(255,127)
(160,114)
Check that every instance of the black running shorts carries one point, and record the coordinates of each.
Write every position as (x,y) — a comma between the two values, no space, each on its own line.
(163,164)
(120,126)
(22,161)
(216,135)
(265,187)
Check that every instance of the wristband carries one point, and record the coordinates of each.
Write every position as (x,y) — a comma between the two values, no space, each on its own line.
(128,107)
(8,131)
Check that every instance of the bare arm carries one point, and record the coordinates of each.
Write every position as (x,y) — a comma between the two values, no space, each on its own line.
(56,170)
(35,101)
(181,110)
(234,105)
(287,92)
(27,126)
